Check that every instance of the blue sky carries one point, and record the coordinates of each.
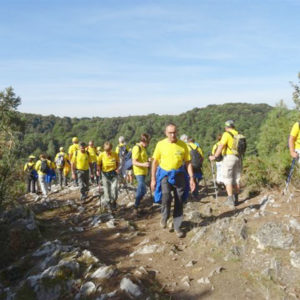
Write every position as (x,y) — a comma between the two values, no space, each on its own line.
(118,58)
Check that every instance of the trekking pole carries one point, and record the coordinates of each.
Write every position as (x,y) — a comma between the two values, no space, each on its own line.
(288,180)
(214,179)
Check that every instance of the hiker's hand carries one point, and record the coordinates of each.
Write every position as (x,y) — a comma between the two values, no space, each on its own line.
(92,176)
(73,175)
(118,171)
(192,184)
(153,185)
(212,157)
(147,164)
(294,154)
(98,173)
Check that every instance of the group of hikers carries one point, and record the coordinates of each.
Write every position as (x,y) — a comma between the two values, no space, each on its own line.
(176,168)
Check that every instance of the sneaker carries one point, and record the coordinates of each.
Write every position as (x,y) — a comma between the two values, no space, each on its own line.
(170,225)
(230,202)
(163,224)
(179,233)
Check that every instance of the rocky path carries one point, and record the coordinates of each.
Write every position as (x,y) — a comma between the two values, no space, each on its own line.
(61,248)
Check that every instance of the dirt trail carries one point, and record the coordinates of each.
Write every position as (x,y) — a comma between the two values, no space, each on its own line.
(218,258)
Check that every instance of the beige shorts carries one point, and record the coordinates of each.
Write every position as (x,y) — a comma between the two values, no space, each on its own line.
(231,170)
(129,172)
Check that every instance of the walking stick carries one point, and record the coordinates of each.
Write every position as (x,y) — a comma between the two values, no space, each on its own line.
(214,179)
(206,188)
(288,180)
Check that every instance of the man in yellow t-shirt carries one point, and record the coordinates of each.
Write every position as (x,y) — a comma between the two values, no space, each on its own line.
(92,150)
(72,149)
(30,174)
(61,159)
(81,163)
(294,141)
(219,180)
(168,174)
(108,164)
(231,164)
(141,166)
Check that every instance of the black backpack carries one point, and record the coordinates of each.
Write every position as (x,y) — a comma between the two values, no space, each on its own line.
(196,159)
(122,151)
(239,146)
(44,166)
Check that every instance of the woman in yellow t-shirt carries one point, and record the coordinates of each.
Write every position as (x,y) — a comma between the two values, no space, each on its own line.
(141,165)
(107,164)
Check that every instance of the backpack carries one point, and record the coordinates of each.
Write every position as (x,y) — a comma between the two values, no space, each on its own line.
(196,159)
(128,160)
(44,166)
(122,151)
(60,161)
(239,144)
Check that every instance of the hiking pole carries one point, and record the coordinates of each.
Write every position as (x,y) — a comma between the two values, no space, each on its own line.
(288,180)
(214,179)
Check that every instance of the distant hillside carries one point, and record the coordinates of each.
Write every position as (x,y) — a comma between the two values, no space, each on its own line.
(48,133)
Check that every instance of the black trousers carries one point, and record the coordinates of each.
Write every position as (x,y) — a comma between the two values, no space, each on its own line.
(178,190)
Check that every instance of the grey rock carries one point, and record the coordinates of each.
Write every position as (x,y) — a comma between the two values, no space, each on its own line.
(148,249)
(295,224)
(272,235)
(129,287)
(199,235)
(295,259)
(87,289)
(203,280)
(103,272)
(191,263)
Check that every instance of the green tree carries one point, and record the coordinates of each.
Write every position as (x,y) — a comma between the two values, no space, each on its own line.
(296,93)
(11,126)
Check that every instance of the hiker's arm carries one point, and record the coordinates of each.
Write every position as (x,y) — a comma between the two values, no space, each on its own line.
(91,169)
(293,153)
(217,153)
(139,164)
(191,174)
(73,168)
(153,174)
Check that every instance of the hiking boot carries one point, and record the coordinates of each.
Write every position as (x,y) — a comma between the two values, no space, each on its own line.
(163,224)
(236,199)
(170,225)
(179,233)
(230,202)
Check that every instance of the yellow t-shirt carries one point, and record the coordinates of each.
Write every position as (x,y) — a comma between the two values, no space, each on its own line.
(171,156)
(81,160)
(295,133)
(215,147)
(227,141)
(108,162)
(29,166)
(139,153)
(194,146)
(93,153)
(65,159)
(72,150)
(39,164)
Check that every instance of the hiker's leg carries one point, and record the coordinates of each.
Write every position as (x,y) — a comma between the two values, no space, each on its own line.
(196,191)
(141,189)
(114,191)
(33,182)
(227,173)
(179,188)
(60,176)
(86,182)
(105,183)
(28,181)
(81,183)
(43,184)
(165,199)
